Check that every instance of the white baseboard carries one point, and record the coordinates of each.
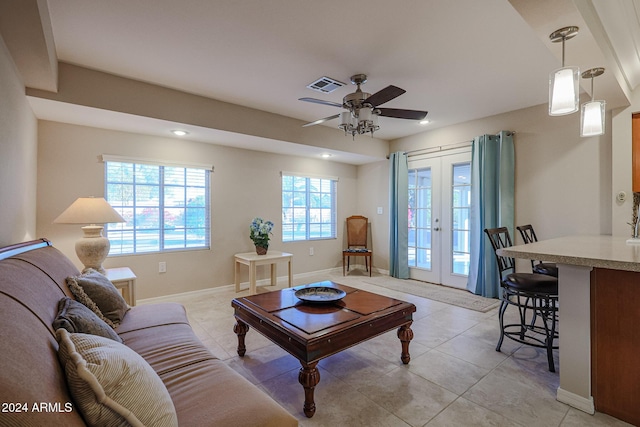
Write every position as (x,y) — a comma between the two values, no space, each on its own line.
(582,403)
(163,298)
(245,285)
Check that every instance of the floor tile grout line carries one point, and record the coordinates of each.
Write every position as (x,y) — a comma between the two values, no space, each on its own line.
(485,318)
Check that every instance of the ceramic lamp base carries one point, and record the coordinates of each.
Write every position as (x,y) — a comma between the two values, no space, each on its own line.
(93,248)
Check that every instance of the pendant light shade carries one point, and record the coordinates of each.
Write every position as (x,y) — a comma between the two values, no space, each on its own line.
(592,116)
(564,92)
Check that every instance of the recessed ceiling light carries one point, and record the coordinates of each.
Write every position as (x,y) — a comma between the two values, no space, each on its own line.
(180,132)
(326,155)
(424,122)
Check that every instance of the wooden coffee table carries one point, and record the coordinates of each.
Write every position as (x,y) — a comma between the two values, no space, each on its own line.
(312,331)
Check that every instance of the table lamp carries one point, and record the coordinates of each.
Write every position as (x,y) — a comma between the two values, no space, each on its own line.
(93,248)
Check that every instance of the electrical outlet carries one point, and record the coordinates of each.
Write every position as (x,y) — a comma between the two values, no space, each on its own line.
(311,250)
(379,210)
(162,267)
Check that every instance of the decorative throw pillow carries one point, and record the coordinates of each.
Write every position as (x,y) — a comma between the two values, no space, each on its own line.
(94,290)
(76,317)
(112,384)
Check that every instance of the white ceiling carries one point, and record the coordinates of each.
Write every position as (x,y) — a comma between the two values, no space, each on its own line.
(459,59)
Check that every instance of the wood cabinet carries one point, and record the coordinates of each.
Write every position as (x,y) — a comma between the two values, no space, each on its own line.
(635,152)
(615,343)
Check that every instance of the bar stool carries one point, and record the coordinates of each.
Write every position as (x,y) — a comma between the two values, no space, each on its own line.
(535,295)
(529,236)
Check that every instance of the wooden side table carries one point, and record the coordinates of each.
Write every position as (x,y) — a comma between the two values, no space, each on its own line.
(123,279)
(252,260)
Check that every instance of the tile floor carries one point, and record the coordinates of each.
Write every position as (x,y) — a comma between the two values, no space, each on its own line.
(455,377)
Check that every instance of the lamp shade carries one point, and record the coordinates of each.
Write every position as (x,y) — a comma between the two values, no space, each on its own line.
(365,114)
(89,210)
(92,248)
(345,119)
(563,91)
(592,118)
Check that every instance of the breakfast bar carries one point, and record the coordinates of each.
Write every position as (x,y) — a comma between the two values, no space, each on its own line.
(599,298)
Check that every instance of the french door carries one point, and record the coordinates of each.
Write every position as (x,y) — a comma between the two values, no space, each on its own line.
(439,212)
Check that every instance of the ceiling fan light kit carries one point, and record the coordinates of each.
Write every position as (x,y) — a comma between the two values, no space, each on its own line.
(362,112)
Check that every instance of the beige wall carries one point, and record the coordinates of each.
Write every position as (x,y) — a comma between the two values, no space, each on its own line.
(18,146)
(244,184)
(563,181)
(373,193)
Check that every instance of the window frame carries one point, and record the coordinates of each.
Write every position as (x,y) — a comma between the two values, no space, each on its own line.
(202,187)
(289,236)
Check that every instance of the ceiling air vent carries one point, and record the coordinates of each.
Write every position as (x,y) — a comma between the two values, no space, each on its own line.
(325,85)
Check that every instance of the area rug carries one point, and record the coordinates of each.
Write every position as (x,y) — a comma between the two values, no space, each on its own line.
(457,297)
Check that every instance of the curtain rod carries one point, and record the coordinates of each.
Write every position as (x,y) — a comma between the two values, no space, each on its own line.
(438,148)
(453,146)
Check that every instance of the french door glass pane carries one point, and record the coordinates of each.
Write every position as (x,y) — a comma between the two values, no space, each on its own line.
(419,250)
(461,208)
(423,258)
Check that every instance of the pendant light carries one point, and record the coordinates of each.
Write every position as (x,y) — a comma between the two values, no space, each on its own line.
(564,82)
(592,113)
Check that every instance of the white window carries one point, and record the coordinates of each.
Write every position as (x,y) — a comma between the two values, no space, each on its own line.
(167,208)
(308,208)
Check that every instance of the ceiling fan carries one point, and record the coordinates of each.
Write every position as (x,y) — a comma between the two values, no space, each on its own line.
(363,108)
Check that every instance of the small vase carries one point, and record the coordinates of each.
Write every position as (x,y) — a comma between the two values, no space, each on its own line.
(261,250)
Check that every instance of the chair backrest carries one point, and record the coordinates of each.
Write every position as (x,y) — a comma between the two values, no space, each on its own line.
(500,238)
(357,231)
(528,236)
(527,233)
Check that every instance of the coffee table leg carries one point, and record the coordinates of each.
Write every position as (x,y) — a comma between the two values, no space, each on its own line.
(241,329)
(309,377)
(406,335)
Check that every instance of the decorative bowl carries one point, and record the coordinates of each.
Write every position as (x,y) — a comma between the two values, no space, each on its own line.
(320,294)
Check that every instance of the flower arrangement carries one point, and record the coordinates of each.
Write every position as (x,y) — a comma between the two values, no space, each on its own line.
(260,230)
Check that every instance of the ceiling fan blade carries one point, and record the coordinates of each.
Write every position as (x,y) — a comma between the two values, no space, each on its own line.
(402,114)
(320,101)
(317,122)
(385,95)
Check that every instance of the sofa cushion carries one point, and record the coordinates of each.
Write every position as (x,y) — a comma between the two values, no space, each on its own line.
(152,315)
(161,334)
(77,318)
(94,290)
(237,403)
(112,384)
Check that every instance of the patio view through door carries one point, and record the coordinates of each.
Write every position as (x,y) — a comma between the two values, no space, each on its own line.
(439,212)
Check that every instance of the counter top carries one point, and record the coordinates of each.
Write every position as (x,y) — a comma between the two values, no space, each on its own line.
(600,251)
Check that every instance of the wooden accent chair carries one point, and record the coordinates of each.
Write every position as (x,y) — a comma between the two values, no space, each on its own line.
(357,226)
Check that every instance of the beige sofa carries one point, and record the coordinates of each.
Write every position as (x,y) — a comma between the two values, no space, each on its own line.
(33,388)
